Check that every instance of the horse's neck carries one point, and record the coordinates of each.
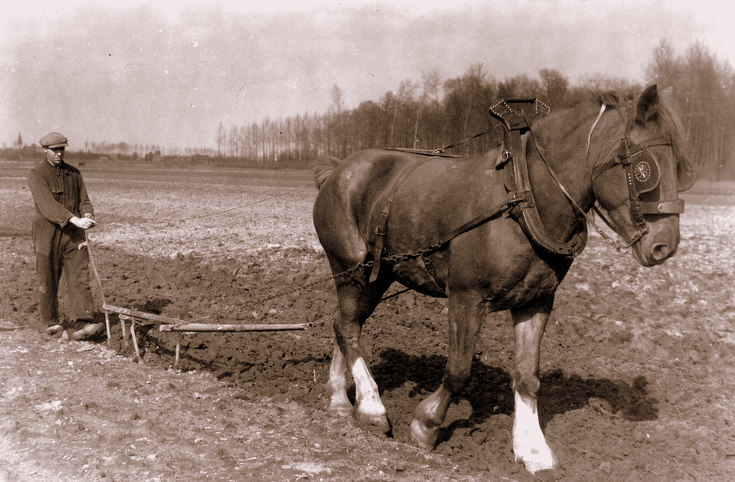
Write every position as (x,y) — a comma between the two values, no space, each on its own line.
(562,144)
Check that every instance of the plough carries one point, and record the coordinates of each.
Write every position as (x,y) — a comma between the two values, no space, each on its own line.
(169,324)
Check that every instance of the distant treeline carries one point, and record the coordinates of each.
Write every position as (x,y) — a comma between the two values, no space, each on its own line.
(433,114)
(105,150)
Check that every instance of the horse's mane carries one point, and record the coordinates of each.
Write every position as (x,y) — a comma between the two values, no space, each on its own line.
(580,115)
(668,119)
(671,124)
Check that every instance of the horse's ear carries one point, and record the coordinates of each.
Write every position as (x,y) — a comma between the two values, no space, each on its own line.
(647,105)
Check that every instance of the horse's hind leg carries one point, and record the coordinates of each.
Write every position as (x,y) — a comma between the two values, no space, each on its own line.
(529,443)
(356,303)
(339,403)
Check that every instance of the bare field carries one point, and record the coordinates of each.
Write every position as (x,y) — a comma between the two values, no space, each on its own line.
(637,363)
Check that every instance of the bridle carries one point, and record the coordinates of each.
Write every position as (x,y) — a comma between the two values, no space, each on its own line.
(643,175)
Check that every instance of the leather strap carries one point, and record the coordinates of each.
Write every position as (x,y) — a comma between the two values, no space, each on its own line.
(662,207)
(381,230)
(530,219)
(432,272)
(516,117)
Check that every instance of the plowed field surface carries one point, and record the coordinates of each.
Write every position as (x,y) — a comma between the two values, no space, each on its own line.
(637,369)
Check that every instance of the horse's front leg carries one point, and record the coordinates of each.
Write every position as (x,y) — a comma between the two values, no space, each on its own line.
(529,444)
(465,319)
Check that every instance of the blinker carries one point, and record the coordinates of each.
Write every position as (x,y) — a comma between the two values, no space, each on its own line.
(644,175)
(645,172)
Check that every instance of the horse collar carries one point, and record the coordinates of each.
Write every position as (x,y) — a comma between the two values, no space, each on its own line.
(516,123)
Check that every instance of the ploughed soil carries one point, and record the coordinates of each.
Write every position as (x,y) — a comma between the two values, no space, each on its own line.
(637,369)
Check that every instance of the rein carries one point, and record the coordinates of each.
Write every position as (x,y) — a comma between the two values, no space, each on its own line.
(451,146)
(513,161)
(590,219)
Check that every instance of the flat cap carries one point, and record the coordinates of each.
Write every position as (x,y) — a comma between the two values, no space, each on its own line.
(54,139)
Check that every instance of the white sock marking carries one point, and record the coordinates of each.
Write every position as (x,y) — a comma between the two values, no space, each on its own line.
(337,379)
(529,443)
(366,390)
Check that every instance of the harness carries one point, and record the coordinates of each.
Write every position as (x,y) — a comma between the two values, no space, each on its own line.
(381,229)
(519,202)
(516,117)
(642,170)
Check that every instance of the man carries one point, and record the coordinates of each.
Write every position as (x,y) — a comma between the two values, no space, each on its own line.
(63,213)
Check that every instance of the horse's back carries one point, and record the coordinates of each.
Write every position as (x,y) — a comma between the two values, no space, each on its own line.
(424,196)
(362,168)
(356,180)
(373,172)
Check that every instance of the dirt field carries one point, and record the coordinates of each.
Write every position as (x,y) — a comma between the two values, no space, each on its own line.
(638,377)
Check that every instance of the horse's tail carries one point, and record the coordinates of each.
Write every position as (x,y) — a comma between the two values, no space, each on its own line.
(323,169)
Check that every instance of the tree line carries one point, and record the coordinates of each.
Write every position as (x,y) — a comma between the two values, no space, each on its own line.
(431,114)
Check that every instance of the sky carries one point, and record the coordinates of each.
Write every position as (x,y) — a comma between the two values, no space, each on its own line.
(168,73)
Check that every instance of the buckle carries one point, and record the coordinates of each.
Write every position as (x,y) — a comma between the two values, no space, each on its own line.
(675,206)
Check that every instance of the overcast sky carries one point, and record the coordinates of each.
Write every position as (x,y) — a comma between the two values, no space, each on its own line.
(168,75)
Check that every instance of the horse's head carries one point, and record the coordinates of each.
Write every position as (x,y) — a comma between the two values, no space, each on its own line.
(637,183)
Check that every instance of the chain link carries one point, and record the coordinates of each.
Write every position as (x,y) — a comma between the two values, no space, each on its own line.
(394,258)
(349,273)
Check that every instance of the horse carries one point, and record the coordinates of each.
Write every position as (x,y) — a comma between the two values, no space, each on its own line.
(378,210)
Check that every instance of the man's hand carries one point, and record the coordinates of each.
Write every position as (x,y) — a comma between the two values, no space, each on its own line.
(84,223)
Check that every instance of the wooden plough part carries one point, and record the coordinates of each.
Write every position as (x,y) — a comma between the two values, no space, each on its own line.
(168,324)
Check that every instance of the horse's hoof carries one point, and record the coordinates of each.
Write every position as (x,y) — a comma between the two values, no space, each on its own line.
(376,424)
(423,436)
(342,410)
(537,459)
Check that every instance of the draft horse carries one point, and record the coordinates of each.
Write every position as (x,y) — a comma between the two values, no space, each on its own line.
(378,210)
